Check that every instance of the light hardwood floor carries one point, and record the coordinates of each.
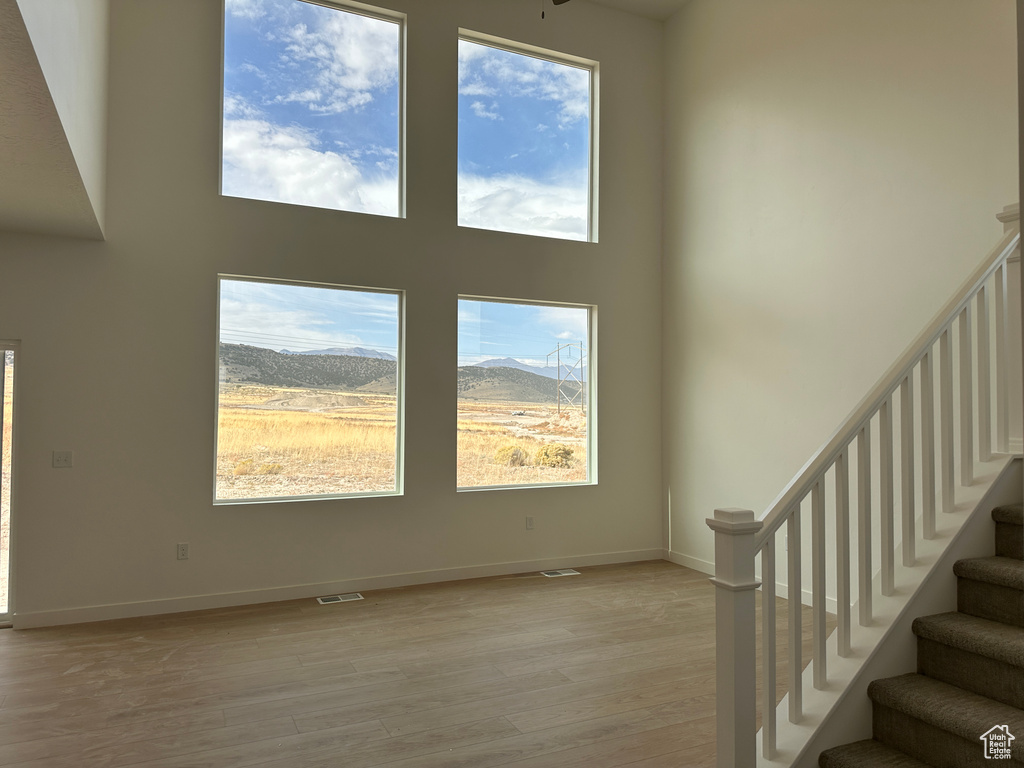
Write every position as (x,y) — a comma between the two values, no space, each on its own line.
(614,667)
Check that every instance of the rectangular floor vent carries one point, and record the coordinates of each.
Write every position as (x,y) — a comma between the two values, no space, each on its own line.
(339,598)
(561,572)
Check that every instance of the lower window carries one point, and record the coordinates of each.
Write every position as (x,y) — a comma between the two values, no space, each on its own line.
(525,394)
(309,390)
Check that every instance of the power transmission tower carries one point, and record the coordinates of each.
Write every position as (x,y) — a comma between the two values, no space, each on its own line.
(571,374)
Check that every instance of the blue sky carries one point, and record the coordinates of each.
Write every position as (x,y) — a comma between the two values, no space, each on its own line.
(524,143)
(525,332)
(311,117)
(311,106)
(304,317)
(301,317)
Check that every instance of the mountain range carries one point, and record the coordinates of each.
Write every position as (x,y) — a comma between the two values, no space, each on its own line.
(550,373)
(244,364)
(349,351)
(506,383)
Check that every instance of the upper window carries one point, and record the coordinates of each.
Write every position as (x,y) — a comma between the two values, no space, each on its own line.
(526,140)
(525,394)
(309,394)
(313,104)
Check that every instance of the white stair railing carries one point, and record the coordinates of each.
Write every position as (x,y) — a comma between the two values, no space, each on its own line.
(740,538)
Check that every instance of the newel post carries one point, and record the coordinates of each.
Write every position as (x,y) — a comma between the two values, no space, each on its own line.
(735,630)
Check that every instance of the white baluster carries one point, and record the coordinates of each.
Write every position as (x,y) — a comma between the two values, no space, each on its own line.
(769,726)
(966,401)
(984,380)
(907,511)
(843,554)
(946,419)
(735,617)
(796,666)
(927,447)
(864,573)
(1002,391)
(818,629)
(886,496)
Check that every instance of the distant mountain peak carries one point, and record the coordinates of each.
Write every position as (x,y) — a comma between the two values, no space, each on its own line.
(550,372)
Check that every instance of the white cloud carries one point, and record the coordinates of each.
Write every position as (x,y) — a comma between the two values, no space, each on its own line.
(264,161)
(246,9)
(566,323)
(260,324)
(526,206)
(481,110)
(236,106)
(477,88)
(352,57)
(487,71)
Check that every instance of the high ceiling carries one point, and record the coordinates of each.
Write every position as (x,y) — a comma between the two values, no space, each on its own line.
(40,186)
(41,189)
(653,9)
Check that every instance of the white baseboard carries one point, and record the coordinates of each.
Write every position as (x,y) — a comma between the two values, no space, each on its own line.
(704,566)
(300,591)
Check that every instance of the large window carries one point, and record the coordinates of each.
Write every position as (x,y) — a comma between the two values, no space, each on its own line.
(313,104)
(309,390)
(525,400)
(526,140)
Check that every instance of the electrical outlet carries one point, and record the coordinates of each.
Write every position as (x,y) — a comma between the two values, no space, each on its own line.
(183,551)
(529,523)
(62,459)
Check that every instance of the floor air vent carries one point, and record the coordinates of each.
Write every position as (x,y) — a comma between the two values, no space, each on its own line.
(339,598)
(561,572)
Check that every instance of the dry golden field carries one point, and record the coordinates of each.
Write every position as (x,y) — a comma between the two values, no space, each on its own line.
(274,442)
(489,433)
(278,442)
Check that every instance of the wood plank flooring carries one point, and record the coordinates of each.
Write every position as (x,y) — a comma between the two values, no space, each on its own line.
(614,667)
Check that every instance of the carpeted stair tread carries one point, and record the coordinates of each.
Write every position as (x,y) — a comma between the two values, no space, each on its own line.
(1002,571)
(1009,513)
(991,639)
(951,709)
(867,754)
(971,671)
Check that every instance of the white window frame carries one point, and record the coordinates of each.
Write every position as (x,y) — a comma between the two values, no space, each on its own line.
(12,345)
(591,390)
(556,57)
(363,9)
(399,489)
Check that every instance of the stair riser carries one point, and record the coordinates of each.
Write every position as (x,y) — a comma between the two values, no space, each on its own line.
(990,601)
(1010,540)
(930,744)
(979,674)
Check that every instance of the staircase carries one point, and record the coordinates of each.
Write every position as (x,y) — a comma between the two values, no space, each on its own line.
(970,675)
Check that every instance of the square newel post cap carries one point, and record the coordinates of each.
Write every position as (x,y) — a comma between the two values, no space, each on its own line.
(732,520)
(735,549)
(1010,217)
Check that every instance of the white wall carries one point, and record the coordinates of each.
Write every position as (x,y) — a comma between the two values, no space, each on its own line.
(118,349)
(70,41)
(833,172)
